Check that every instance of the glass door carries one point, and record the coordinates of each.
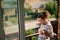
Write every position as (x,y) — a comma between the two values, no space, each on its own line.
(10,19)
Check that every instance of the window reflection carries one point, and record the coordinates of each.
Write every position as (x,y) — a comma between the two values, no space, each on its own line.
(10,19)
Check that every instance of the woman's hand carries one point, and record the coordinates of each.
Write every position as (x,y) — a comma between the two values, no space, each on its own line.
(41,31)
(46,33)
(53,34)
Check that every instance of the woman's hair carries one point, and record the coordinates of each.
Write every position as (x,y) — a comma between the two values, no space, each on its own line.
(42,15)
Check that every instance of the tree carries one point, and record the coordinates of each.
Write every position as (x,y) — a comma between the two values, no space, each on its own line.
(52,8)
(10,2)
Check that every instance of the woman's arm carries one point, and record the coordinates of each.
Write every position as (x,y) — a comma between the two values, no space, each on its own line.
(50,31)
(46,33)
(40,31)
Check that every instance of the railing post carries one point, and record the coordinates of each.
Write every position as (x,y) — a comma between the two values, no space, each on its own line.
(21,22)
(2,34)
(28,38)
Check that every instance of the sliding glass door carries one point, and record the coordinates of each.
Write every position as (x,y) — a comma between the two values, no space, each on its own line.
(13,19)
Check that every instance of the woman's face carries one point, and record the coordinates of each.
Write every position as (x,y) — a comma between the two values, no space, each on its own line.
(41,20)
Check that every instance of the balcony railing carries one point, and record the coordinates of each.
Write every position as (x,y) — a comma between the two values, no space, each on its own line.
(33,36)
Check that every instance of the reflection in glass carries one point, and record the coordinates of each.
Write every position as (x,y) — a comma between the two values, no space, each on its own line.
(10,19)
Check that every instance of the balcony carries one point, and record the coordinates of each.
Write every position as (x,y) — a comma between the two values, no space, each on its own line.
(14,36)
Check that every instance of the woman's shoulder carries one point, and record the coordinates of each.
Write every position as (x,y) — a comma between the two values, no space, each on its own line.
(49,23)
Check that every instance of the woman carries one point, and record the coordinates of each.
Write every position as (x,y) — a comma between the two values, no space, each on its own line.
(46,29)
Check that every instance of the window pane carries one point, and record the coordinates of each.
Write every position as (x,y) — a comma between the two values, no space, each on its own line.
(10,19)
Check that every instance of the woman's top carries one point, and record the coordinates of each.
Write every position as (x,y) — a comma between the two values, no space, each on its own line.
(48,27)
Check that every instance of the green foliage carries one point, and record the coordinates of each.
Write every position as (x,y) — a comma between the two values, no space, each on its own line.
(28,11)
(10,2)
(55,0)
(30,31)
(52,16)
(52,8)
(35,15)
(34,38)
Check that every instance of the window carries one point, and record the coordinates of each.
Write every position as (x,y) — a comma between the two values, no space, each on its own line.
(10,20)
